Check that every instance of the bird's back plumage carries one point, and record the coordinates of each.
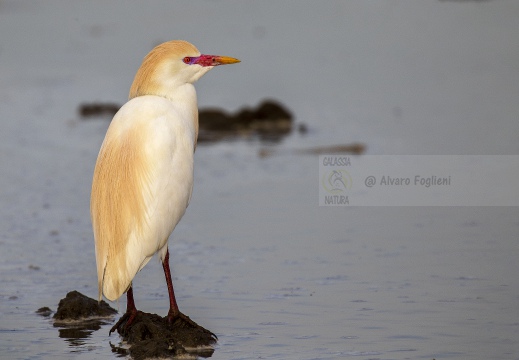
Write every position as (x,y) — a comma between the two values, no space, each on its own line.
(141,187)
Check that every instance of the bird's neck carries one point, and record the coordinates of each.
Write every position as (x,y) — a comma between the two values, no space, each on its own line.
(184,99)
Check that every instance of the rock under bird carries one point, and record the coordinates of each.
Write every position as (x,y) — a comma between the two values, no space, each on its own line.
(143,177)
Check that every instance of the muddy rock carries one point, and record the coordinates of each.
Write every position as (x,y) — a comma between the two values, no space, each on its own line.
(97,109)
(44,311)
(76,306)
(151,336)
(78,316)
(269,121)
(148,336)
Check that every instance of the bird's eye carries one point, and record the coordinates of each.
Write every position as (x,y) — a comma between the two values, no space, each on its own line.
(187,60)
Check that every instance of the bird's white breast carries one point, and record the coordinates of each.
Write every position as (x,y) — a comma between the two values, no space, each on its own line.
(167,137)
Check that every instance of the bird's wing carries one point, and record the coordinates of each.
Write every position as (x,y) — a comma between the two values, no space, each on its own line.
(140,190)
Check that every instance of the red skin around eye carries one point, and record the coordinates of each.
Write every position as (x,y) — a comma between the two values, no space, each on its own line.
(206,60)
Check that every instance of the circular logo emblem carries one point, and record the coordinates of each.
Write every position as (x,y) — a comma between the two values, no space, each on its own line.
(336,181)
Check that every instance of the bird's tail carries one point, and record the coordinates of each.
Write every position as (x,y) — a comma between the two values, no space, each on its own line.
(115,280)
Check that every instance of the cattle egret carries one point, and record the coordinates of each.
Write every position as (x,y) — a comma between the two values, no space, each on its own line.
(143,177)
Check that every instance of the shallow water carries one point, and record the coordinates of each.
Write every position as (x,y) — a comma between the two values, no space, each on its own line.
(255,259)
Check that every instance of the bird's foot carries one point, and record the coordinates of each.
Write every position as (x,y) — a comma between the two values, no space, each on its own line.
(124,322)
(180,320)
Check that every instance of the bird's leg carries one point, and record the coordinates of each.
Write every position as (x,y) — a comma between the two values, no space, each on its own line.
(175,317)
(174,313)
(173,307)
(129,315)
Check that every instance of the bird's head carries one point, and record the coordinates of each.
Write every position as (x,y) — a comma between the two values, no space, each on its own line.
(171,65)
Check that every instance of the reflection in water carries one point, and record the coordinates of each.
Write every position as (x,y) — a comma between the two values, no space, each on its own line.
(75,333)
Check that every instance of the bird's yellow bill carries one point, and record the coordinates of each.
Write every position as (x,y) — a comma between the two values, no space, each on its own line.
(225,60)
(213,60)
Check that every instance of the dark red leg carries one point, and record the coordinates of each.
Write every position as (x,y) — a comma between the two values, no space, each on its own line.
(130,305)
(129,315)
(173,307)
(174,315)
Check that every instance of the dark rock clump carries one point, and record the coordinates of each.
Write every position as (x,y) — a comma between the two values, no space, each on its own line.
(44,311)
(148,335)
(76,306)
(97,109)
(268,121)
(152,336)
(78,316)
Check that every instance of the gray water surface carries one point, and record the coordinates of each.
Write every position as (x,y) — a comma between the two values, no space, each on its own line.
(255,259)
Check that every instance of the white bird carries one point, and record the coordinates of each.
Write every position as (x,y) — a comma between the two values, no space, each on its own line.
(143,177)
